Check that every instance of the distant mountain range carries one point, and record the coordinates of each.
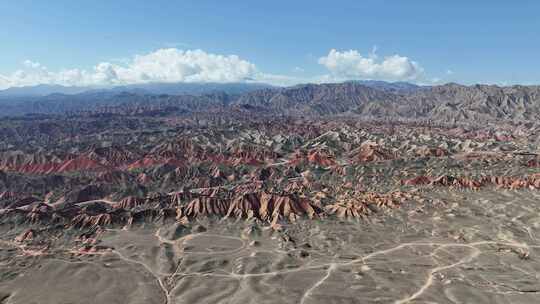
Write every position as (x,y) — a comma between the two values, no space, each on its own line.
(376,99)
(449,103)
(40,90)
(149,88)
(175,88)
(399,86)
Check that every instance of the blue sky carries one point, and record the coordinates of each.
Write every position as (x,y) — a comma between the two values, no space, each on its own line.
(284,41)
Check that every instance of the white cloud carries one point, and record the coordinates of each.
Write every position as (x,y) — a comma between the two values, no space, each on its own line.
(174,65)
(351,64)
(163,65)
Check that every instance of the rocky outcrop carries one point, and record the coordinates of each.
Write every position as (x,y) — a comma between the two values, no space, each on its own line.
(131,202)
(206,206)
(506,182)
(348,209)
(82,194)
(26,236)
(371,152)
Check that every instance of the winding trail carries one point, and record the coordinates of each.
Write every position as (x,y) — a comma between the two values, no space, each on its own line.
(149,270)
(429,280)
(308,292)
(334,265)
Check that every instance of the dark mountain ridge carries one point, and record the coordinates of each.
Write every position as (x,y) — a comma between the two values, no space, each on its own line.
(450,102)
(173,88)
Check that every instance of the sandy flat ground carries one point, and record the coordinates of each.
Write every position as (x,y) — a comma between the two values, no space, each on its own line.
(474,247)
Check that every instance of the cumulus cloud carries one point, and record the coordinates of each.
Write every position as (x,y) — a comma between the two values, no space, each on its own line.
(174,65)
(163,65)
(346,65)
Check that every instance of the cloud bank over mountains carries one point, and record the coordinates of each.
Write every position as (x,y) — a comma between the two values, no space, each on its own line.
(351,64)
(194,66)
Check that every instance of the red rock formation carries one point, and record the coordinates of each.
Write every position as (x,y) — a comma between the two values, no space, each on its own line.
(216,172)
(249,187)
(130,202)
(295,186)
(245,206)
(27,235)
(112,177)
(389,200)
(206,206)
(321,158)
(90,221)
(177,198)
(297,158)
(177,149)
(8,195)
(212,192)
(112,156)
(39,213)
(153,161)
(25,201)
(142,215)
(443,180)
(533,163)
(80,163)
(268,207)
(416,181)
(371,152)
(348,209)
(467,183)
(156,197)
(144,179)
(431,152)
(274,207)
(506,182)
